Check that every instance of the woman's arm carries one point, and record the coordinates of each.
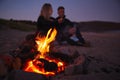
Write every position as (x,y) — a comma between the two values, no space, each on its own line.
(45,25)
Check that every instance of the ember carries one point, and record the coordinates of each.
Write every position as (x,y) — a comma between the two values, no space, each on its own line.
(43,63)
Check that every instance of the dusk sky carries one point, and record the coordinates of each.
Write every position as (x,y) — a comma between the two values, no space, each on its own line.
(76,10)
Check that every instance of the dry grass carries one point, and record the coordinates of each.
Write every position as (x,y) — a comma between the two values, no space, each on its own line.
(17,25)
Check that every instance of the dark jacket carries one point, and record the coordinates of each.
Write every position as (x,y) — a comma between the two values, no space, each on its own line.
(65,22)
(62,28)
(44,25)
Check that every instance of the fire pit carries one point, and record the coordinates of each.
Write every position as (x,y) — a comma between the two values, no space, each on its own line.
(43,63)
(40,55)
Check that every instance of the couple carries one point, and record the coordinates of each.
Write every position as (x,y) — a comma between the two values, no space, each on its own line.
(65,28)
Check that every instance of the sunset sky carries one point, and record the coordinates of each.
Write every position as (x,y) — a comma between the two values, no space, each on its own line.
(76,10)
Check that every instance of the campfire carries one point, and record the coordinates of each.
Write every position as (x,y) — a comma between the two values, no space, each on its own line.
(43,63)
(42,57)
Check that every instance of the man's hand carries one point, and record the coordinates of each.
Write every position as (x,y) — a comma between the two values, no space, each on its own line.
(60,20)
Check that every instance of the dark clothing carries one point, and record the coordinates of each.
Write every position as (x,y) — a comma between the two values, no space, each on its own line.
(79,36)
(63,33)
(65,22)
(44,25)
(63,28)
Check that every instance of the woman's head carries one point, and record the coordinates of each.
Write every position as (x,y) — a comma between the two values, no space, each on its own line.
(46,10)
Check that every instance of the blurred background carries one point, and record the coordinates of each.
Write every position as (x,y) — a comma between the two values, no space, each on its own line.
(76,10)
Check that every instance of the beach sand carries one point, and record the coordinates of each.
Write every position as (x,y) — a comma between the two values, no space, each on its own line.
(104,50)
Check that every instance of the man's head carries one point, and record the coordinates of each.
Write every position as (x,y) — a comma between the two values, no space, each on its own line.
(61,11)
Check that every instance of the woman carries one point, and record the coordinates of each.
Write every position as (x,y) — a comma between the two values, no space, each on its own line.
(45,21)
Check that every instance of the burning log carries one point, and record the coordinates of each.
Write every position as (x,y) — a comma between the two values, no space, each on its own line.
(48,66)
(51,66)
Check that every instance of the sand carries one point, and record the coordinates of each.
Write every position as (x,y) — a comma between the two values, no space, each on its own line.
(104,50)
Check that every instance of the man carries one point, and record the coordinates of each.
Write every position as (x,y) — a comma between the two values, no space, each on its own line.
(66,29)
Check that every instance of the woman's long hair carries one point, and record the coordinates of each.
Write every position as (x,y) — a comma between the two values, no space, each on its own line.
(45,10)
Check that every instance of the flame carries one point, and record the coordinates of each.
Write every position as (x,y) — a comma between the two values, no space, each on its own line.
(32,68)
(43,45)
(43,42)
